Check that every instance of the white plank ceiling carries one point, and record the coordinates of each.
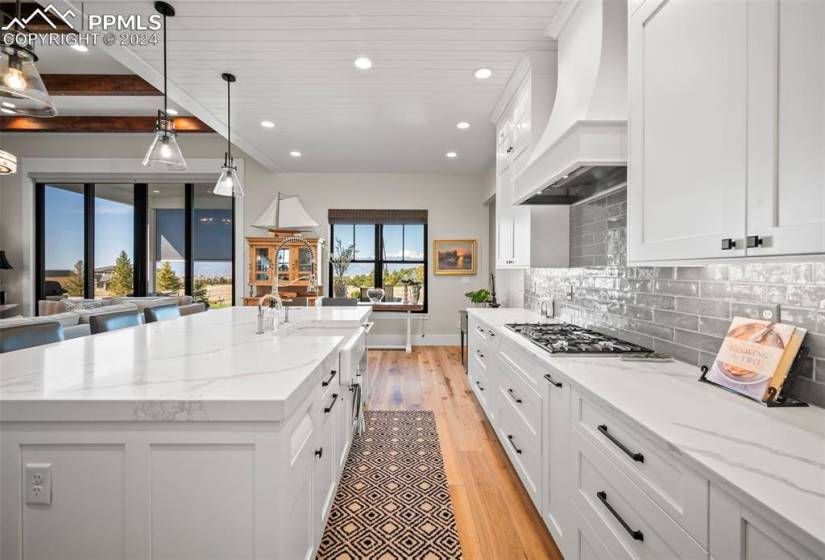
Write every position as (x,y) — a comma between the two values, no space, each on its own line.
(294,63)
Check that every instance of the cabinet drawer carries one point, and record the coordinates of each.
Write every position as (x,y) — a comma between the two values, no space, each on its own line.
(628,522)
(523,450)
(678,490)
(329,381)
(525,402)
(520,360)
(482,334)
(480,384)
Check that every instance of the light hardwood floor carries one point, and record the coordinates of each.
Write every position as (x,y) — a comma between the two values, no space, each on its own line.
(495,517)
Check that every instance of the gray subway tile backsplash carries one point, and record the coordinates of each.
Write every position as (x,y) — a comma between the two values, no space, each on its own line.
(681,311)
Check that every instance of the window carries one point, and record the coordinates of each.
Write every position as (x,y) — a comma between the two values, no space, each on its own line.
(105,240)
(386,255)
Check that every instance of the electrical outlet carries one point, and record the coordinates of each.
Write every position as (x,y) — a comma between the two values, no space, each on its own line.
(772,313)
(39,483)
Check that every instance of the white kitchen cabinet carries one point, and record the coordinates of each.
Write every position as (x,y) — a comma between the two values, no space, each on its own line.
(786,125)
(526,236)
(739,533)
(688,79)
(557,468)
(727,130)
(326,462)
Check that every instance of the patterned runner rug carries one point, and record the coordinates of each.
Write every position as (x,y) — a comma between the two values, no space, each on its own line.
(393,502)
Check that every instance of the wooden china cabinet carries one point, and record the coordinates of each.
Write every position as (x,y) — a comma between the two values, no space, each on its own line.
(294,265)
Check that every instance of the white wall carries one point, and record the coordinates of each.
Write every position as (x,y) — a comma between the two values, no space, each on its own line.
(455,204)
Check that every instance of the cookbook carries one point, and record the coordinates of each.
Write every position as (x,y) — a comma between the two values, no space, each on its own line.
(756,358)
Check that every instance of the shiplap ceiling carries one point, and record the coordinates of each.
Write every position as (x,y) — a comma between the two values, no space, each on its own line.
(294,63)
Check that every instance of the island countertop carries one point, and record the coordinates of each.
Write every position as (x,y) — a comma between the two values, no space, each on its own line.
(209,366)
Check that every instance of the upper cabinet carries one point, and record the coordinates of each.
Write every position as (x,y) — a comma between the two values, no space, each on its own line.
(526,235)
(727,129)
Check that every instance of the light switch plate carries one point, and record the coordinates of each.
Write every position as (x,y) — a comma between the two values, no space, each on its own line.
(38,483)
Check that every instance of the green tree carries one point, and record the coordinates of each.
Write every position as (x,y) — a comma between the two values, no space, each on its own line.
(199,290)
(74,284)
(166,279)
(122,281)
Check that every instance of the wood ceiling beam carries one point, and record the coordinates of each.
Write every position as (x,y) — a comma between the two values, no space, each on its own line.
(98,84)
(97,124)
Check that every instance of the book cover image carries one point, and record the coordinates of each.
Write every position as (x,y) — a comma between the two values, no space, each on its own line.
(755,357)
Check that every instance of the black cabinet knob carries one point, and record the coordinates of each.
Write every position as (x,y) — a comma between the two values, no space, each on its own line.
(728,244)
(753,241)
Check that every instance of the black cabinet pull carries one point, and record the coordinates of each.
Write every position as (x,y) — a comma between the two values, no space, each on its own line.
(728,244)
(510,149)
(491,333)
(510,439)
(513,395)
(327,381)
(319,452)
(633,455)
(328,409)
(552,381)
(753,241)
(636,534)
(479,385)
(480,355)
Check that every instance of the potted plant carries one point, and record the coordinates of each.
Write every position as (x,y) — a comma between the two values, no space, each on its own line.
(340,258)
(480,297)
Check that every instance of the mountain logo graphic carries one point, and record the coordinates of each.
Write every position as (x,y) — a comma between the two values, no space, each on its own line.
(49,14)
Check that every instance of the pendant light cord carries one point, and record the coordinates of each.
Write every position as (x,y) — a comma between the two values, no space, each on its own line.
(228,120)
(165,102)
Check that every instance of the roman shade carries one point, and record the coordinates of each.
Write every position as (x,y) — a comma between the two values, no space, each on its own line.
(352,216)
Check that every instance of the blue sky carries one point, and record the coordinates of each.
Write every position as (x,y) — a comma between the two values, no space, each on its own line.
(394,237)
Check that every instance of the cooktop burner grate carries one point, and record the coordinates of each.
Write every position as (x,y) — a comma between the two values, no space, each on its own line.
(564,338)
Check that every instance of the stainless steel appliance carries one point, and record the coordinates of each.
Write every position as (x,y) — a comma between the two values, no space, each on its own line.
(565,338)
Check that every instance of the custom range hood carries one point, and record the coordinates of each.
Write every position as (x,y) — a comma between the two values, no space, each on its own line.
(583,149)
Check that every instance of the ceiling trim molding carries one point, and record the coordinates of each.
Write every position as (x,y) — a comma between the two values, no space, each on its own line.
(140,67)
(560,19)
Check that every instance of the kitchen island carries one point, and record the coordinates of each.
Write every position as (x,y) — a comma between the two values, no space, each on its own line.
(193,438)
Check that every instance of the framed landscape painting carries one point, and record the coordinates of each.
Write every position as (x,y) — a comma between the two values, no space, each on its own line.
(455,256)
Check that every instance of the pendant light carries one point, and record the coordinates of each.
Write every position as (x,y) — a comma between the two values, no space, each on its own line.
(164,152)
(20,81)
(8,163)
(228,183)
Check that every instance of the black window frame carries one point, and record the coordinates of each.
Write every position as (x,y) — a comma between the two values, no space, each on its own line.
(378,261)
(140,249)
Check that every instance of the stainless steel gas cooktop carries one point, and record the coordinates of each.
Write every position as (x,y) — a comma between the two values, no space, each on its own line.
(564,338)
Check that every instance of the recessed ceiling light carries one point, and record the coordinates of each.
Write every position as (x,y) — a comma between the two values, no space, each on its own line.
(451,155)
(363,63)
(171,111)
(463,125)
(80,48)
(8,111)
(156,191)
(483,73)
(295,153)
(267,124)
(9,105)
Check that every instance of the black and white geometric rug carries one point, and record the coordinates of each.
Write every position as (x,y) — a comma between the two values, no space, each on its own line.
(393,502)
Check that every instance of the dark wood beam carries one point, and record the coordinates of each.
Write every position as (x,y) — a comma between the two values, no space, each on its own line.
(96,124)
(98,84)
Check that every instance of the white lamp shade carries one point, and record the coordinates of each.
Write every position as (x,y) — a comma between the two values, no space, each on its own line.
(286,213)
(164,153)
(8,163)
(228,183)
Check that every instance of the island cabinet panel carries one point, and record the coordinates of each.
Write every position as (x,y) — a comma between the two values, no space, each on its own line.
(557,466)
(739,533)
(86,518)
(183,516)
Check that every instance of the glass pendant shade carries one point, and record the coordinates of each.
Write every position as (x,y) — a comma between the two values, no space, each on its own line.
(21,85)
(164,152)
(8,163)
(228,183)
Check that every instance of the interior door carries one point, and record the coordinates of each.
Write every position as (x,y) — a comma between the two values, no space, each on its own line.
(786,188)
(688,76)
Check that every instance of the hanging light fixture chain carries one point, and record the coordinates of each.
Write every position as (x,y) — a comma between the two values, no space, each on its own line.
(228,120)
(165,102)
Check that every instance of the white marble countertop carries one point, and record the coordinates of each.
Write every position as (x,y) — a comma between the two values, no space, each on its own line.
(770,458)
(208,366)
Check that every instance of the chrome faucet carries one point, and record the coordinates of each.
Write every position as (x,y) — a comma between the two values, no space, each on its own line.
(546,309)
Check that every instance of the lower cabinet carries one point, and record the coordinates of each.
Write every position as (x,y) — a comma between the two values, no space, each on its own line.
(557,468)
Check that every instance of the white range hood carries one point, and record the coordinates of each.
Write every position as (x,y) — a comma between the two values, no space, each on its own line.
(584,147)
